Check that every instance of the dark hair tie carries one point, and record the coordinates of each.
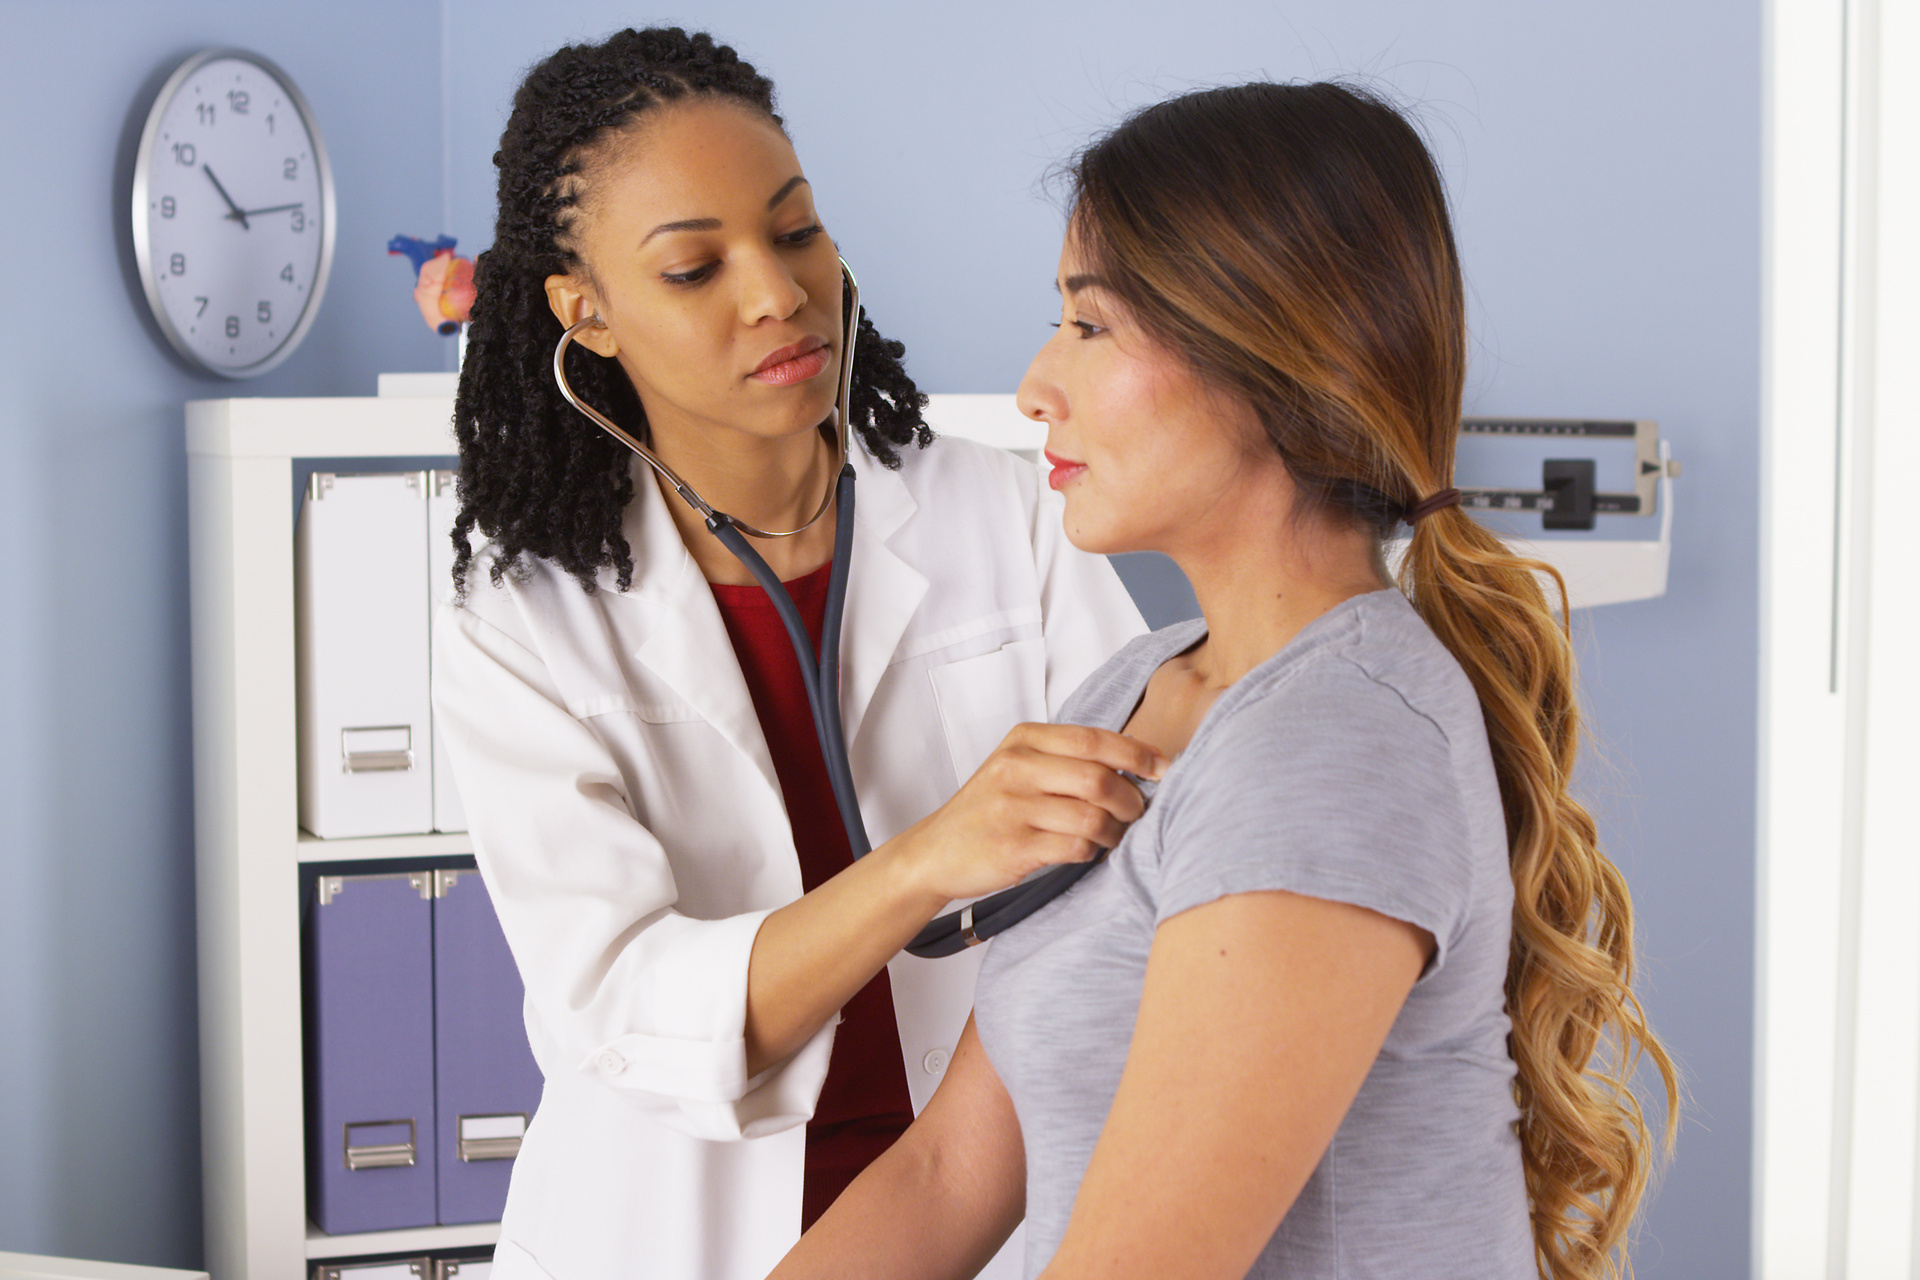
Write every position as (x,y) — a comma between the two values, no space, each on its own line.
(1444,498)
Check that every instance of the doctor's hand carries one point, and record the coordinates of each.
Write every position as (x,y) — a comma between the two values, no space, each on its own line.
(1049,794)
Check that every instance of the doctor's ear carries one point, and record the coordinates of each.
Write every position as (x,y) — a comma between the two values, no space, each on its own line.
(569,298)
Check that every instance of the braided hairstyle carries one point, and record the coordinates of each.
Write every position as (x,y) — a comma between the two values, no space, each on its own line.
(536,476)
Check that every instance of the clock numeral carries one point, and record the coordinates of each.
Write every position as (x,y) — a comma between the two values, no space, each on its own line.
(177,264)
(265,313)
(286,273)
(291,169)
(206,111)
(203,308)
(183,153)
(299,220)
(237,101)
(233,326)
(166,206)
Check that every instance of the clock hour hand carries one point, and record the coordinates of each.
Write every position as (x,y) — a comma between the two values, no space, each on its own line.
(244,214)
(237,214)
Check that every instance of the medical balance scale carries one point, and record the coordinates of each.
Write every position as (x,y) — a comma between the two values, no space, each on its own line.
(1569,499)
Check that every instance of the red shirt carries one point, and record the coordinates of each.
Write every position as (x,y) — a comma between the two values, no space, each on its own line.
(864,1103)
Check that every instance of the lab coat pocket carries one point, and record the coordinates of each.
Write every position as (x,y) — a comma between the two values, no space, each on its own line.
(981,698)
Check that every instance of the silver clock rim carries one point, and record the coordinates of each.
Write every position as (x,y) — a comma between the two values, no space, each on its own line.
(141,244)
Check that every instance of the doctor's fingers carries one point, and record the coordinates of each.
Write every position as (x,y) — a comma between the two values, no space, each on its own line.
(1020,773)
(1084,742)
(1068,830)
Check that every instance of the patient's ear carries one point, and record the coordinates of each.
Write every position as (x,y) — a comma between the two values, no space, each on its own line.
(571,299)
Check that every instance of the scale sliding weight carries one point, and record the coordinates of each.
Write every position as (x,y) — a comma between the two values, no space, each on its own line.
(1567,497)
(1596,571)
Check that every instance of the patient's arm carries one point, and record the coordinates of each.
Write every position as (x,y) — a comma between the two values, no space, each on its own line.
(1260,1017)
(942,1199)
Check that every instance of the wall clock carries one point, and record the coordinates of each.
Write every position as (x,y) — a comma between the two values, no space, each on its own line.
(232,213)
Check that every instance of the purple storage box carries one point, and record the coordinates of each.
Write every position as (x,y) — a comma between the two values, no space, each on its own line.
(369,1052)
(486,1082)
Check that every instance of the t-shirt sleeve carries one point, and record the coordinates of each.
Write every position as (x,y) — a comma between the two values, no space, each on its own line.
(1331,786)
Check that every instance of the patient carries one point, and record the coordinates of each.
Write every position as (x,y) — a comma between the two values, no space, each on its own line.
(1352,998)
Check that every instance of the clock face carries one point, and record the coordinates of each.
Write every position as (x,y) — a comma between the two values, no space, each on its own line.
(232,213)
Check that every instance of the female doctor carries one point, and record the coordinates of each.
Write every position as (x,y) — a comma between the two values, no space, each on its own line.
(715,993)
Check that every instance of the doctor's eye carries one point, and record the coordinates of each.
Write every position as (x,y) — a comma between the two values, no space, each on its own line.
(694,276)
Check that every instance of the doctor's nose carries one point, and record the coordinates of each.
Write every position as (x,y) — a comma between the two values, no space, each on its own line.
(769,291)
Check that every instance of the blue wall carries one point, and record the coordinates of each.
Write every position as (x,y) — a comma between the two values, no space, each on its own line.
(99,1074)
(1605,165)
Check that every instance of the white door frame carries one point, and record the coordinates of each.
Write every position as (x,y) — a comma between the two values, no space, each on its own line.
(1837,1087)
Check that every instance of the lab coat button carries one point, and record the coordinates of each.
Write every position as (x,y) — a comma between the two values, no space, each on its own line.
(611,1062)
(935,1062)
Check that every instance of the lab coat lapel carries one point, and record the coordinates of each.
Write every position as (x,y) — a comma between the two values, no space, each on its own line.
(687,645)
(883,590)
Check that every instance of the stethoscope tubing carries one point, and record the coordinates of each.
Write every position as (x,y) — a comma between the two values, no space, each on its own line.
(822,676)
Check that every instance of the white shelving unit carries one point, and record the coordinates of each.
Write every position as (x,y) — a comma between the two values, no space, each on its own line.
(241,457)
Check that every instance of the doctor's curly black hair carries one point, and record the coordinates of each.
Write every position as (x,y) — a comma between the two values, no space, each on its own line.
(536,476)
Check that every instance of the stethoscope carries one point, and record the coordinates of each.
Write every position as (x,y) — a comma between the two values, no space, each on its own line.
(958,930)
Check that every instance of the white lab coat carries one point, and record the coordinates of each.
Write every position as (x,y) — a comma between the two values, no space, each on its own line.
(625,813)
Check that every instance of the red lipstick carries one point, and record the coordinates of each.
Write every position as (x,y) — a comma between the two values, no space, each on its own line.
(1064,471)
(797,362)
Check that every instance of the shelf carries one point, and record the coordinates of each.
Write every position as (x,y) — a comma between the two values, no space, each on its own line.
(411,1240)
(367,427)
(433,844)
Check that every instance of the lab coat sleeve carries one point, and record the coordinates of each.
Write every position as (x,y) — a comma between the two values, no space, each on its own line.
(1086,613)
(619,985)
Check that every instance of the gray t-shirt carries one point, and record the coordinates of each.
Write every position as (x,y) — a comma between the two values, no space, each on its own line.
(1351,766)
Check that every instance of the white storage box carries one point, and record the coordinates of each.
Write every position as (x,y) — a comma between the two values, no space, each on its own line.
(442,507)
(361,609)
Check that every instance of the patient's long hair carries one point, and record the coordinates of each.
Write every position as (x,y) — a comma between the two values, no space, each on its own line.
(1291,242)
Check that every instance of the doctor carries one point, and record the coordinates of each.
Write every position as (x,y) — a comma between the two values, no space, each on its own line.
(715,992)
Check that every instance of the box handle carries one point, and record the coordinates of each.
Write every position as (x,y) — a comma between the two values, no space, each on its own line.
(377,749)
(380,1155)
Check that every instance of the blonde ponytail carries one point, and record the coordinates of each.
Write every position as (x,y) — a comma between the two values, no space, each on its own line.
(1587,1147)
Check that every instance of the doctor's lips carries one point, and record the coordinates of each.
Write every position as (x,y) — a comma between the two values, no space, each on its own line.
(1063,470)
(805,359)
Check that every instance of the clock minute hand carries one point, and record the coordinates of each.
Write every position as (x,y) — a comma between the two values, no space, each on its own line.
(237,214)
